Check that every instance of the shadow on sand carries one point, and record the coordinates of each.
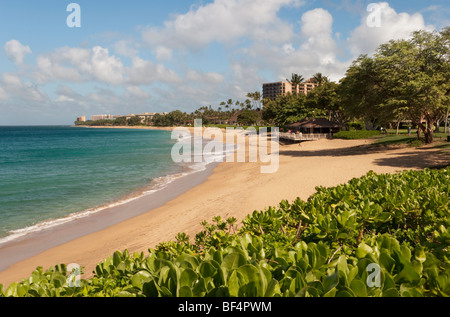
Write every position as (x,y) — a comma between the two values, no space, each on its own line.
(426,157)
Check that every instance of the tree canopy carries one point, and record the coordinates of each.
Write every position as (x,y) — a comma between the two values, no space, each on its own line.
(406,79)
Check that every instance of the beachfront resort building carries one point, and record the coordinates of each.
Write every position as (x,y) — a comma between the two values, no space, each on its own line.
(273,90)
(98,117)
(145,117)
(81,119)
(310,129)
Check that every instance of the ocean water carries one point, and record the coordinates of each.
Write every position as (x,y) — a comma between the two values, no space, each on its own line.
(51,175)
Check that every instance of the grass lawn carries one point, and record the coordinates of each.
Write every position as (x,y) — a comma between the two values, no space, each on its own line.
(391,138)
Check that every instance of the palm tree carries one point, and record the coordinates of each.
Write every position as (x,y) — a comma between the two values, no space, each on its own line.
(248,104)
(256,96)
(251,95)
(320,79)
(295,81)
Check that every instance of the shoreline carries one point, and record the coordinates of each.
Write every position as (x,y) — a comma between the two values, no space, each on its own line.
(36,242)
(40,237)
(226,190)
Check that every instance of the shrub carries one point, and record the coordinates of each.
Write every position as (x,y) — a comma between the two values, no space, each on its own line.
(357,125)
(416,143)
(356,134)
(396,223)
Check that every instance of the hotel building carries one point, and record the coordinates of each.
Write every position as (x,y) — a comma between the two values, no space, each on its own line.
(102,117)
(273,90)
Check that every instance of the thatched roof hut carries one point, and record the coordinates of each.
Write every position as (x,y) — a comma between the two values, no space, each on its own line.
(315,125)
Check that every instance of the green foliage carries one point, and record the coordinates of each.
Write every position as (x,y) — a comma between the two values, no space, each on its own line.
(355,125)
(378,235)
(404,79)
(290,108)
(249,117)
(356,134)
(416,143)
(134,121)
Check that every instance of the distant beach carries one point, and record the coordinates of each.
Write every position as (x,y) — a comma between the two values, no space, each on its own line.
(223,189)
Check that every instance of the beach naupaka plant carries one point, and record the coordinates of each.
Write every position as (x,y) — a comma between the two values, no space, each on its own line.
(378,235)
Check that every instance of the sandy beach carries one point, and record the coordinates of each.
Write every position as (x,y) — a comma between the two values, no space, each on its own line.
(228,190)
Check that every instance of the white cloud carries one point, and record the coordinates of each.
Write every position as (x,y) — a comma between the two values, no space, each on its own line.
(126,48)
(13,85)
(106,68)
(144,72)
(80,65)
(67,94)
(3,94)
(163,53)
(16,52)
(223,21)
(137,92)
(317,28)
(312,50)
(208,78)
(393,26)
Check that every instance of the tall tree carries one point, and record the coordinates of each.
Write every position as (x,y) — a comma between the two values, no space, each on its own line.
(416,78)
(295,81)
(325,97)
(406,79)
(320,79)
(290,108)
(360,92)
(256,97)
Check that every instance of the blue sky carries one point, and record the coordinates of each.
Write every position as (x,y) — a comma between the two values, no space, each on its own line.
(154,56)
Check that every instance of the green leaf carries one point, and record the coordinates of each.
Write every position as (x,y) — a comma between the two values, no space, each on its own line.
(206,269)
(199,289)
(117,258)
(342,264)
(187,261)
(353,272)
(407,275)
(330,281)
(221,291)
(187,277)
(391,292)
(406,252)
(272,288)
(383,217)
(141,277)
(386,261)
(11,291)
(358,288)
(345,293)
(151,289)
(22,290)
(125,294)
(388,282)
(420,254)
(331,293)
(185,291)
(233,284)
(232,261)
(362,250)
